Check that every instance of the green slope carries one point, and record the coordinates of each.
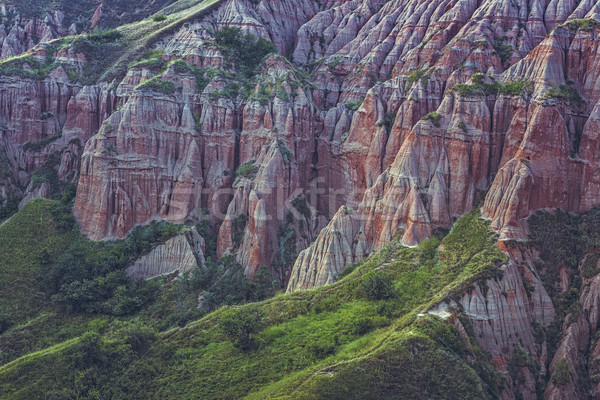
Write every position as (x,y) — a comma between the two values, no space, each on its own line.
(27,241)
(361,337)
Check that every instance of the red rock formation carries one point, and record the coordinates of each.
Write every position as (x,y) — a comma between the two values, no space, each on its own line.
(359,138)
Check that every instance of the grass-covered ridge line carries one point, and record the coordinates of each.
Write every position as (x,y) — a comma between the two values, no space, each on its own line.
(109,52)
(359,337)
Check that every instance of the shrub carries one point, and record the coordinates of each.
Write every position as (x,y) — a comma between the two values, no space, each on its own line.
(355,104)
(159,18)
(247,170)
(320,350)
(9,208)
(182,67)
(562,375)
(502,49)
(246,51)
(5,322)
(362,325)
(415,76)
(568,93)
(239,224)
(378,286)
(434,117)
(104,36)
(241,326)
(40,144)
(388,121)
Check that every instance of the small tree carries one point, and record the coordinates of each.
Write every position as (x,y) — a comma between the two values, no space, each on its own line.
(240,326)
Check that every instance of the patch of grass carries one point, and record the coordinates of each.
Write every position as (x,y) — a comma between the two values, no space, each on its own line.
(481,88)
(156,84)
(152,60)
(584,24)
(28,241)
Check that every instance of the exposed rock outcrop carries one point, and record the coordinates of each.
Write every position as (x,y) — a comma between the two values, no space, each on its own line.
(181,254)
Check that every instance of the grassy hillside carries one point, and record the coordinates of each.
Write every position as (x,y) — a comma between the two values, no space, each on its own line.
(28,241)
(361,337)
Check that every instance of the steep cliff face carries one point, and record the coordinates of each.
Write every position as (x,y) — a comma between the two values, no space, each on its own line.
(519,137)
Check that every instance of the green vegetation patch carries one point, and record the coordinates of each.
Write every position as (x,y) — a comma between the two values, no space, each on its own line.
(40,144)
(182,67)
(415,76)
(359,337)
(156,84)
(584,24)
(479,87)
(244,50)
(247,170)
(434,117)
(566,92)
(29,240)
(354,104)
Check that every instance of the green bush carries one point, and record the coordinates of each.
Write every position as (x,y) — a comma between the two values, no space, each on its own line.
(241,327)
(378,286)
(434,117)
(9,208)
(414,76)
(362,325)
(590,266)
(355,104)
(90,277)
(320,350)
(562,375)
(246,51)
(247,170)
(503,50)
(40,144)
(5,322)
(388,121)
(182,67)
(159,18)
